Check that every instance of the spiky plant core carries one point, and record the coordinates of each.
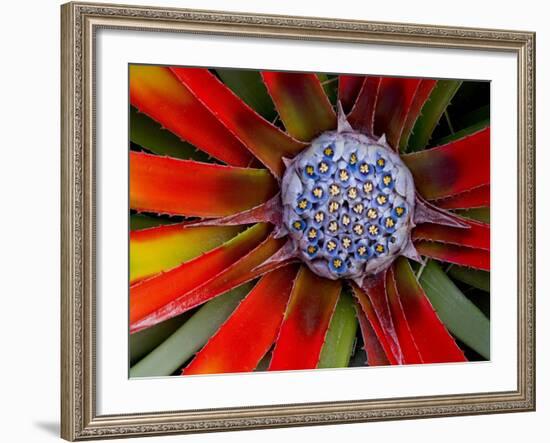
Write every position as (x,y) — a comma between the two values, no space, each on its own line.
(348,205)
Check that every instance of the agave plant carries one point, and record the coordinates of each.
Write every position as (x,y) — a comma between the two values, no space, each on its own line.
(298,221)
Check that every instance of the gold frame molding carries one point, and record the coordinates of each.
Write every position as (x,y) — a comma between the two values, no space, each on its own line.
(79,22)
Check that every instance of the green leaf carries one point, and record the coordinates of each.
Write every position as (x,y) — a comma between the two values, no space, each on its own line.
(263,365)
(330,85)
(474,277)
(141,221)
(473,117)
(249,86)
(190,337)
(143,342)
(463,132)
(479,214)
(432,111)
(463,319)
(340,337)
(148,134)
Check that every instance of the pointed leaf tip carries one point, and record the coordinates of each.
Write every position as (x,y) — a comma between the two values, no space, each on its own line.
(343,124)
(184,187)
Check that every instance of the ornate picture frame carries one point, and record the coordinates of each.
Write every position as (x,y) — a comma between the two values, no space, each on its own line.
(80,22)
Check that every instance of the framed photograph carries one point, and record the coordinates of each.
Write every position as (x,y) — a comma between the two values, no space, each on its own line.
(280,221)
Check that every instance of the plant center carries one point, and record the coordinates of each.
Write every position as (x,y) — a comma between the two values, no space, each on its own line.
(348,205)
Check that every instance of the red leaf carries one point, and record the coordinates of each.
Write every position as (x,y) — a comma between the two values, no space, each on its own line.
(478,235)
(155,91)
(301,102)
(373,299)
(348,90)
(149,295)
(476,198)
(157,249)
(395,98)
(422,94)
(189,295)
(307,318)
(426,212)
(269,212)
(431,337)
(248,334)
(185,187)
(268,143)
(361,116)
(406,339)
(375,353)
(473,258)
(451,169)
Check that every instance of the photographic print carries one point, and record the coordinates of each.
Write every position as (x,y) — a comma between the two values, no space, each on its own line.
(238,219)
(303,221)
